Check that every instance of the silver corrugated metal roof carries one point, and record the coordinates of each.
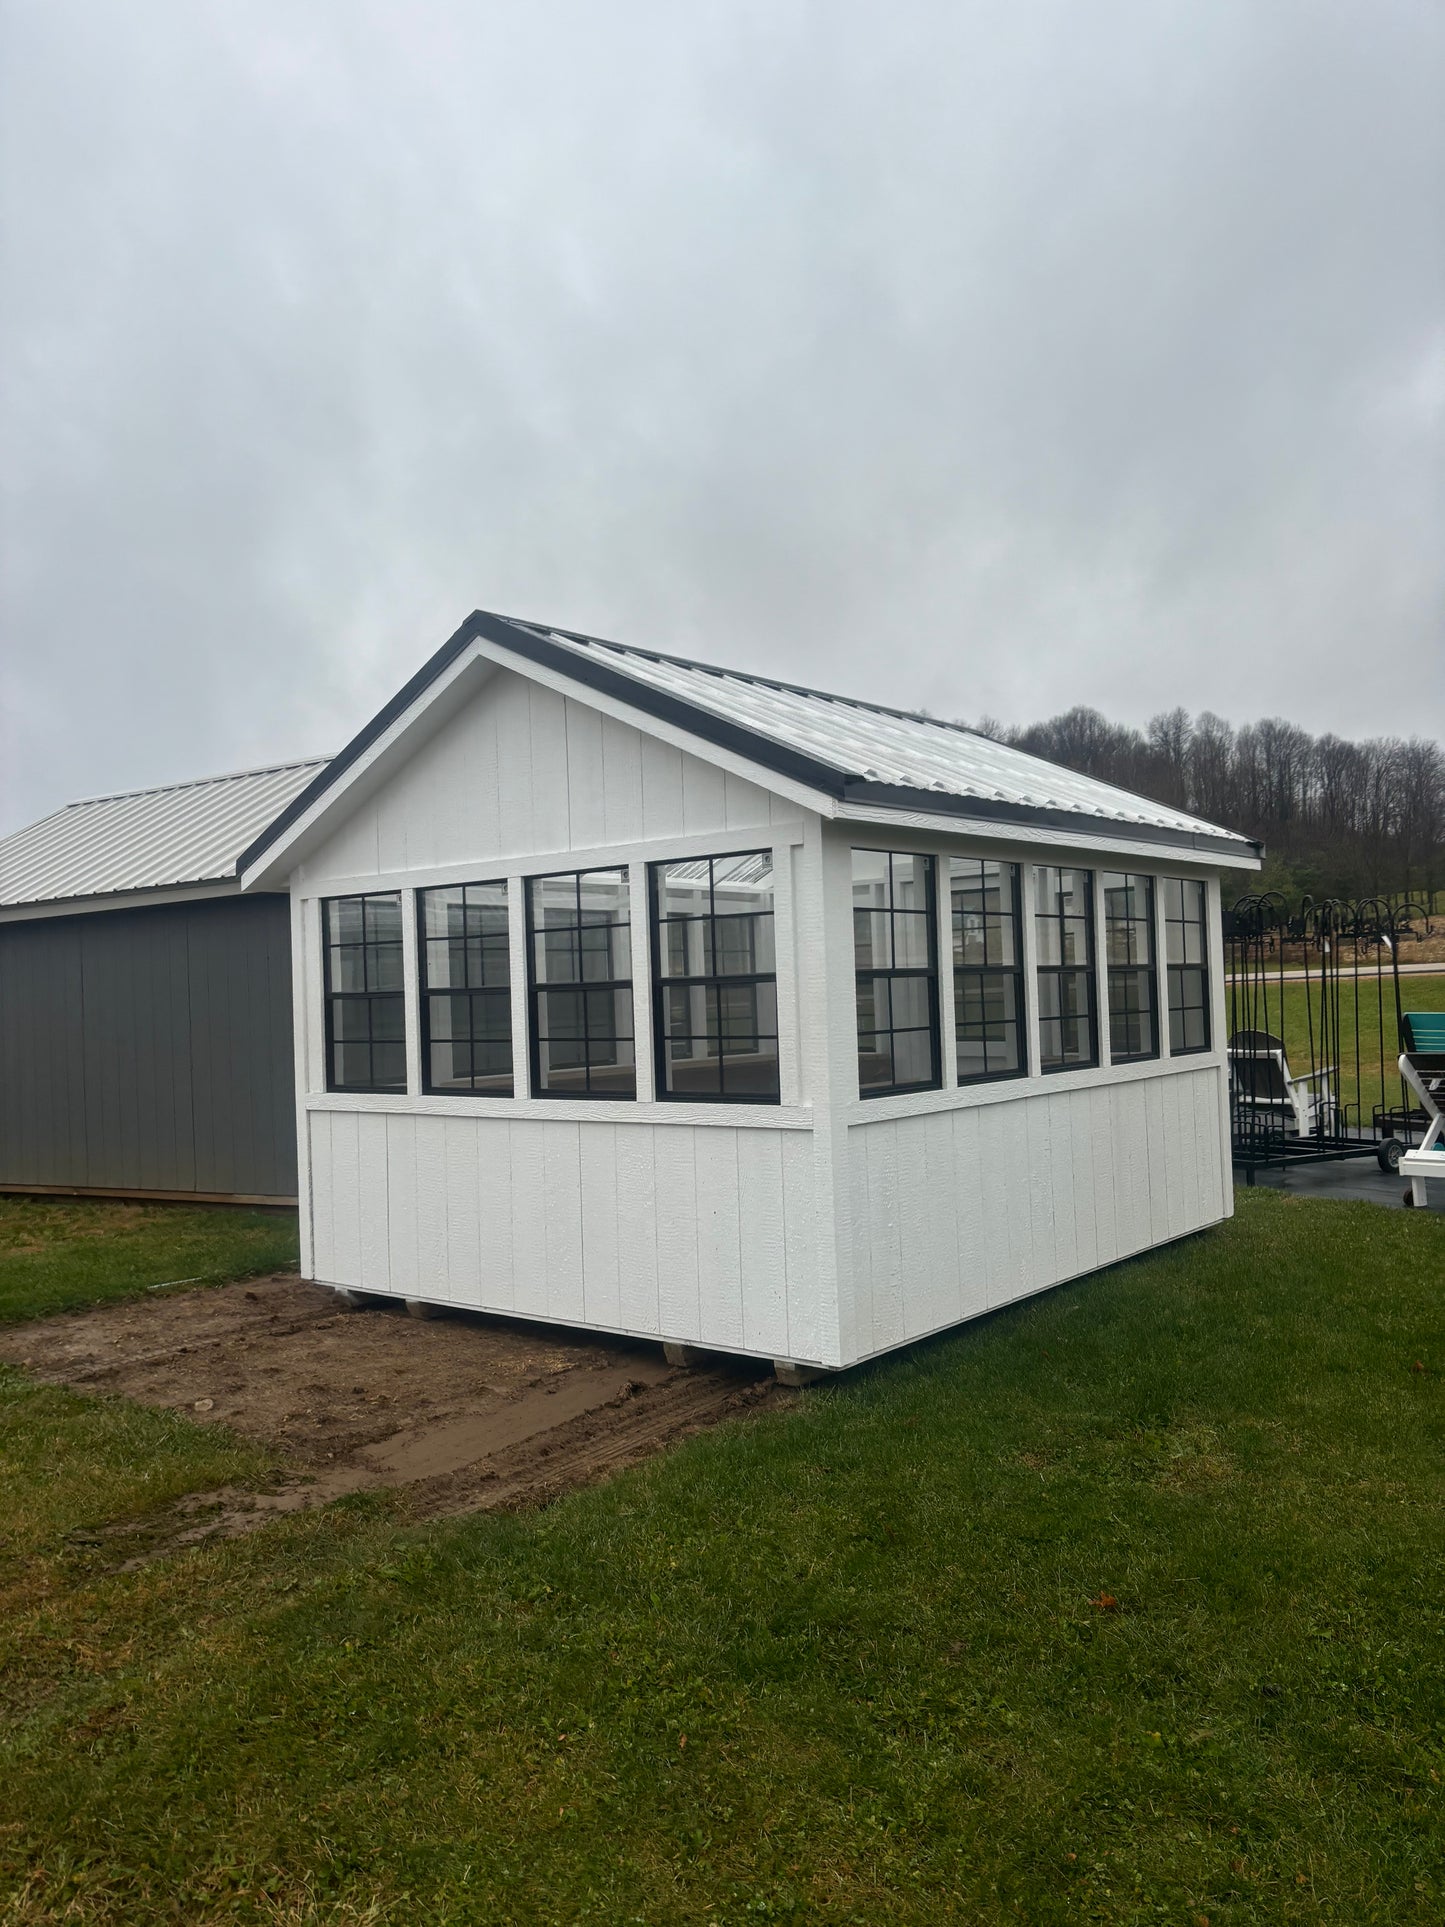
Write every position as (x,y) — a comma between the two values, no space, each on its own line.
(872,744)
(179,834)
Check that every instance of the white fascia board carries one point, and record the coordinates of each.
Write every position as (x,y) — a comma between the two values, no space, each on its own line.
(991,830)
(274,865)
(118,900)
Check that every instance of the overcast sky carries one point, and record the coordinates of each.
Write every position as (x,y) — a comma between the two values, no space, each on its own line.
(989,355)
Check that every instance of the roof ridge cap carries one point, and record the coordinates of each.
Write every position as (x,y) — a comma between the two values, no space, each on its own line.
(750,676)
(187,783)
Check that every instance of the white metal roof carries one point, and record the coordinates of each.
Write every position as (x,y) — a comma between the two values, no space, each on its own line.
(848,758)
(872,744)
(179,834)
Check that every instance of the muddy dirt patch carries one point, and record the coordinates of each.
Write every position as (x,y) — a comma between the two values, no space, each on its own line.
(466,1412)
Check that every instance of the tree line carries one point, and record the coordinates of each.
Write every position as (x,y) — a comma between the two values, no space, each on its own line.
(1338,818)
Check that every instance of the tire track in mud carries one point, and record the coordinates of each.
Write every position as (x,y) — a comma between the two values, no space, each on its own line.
(461,1413)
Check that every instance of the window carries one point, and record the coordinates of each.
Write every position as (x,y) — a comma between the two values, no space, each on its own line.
(365,1006)
(1064,938)
(715,975)
(1186,954)
(1129,952)
(466,981)
(895,954)
(581,968)
(988,978)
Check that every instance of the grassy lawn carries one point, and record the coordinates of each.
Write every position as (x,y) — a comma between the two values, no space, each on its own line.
(1126,1606)
(1302,1007)
(57,1254)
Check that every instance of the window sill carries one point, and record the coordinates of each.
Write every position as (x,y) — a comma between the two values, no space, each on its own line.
(567,1110)
(1012,1090)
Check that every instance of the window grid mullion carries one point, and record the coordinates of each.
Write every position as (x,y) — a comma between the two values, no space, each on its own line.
(344,1051)
(1132,1046)
(714,984)
(891,973)
(1048,886)
(470,990)
(970,876)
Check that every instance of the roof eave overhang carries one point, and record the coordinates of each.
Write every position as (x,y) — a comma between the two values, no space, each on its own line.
(147,896)
(880,801)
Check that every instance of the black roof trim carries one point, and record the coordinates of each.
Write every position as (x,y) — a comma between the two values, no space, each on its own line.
(750,676)
(139,897)
(534,641)
(360,743)
(524,640)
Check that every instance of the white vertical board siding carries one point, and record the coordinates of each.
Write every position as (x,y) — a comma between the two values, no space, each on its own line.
(719,1240)
(401,1207)
(959,1210)
(373,1191)
(562,1217)
(761,1236)
(430,1217)
(460,1156)
(674,1210)
(597,1179)
(621,782)
(521,769)
(638,1306)
(341,1180)
(811,1319)
(706,1235)
(315,1135)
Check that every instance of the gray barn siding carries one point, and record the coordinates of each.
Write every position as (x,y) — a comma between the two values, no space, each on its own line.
(150,1050)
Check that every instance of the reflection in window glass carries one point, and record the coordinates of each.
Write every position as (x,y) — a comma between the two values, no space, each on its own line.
(1129,950)
(365,1017)
(466,978)
(988,998)
(1064,943)
(581,984)
(715,978)
(895,956)
(1187,960)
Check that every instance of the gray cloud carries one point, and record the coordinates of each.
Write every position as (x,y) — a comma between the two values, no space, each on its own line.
(992,357)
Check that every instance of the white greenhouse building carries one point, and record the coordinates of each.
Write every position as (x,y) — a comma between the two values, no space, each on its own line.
(661,999)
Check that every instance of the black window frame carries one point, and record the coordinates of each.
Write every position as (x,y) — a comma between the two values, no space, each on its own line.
(990,971)
(892,973)
(715,980)
(1089,970)
(1177,972)
(369,996)
(1127,974)
(536,991)
(426,991)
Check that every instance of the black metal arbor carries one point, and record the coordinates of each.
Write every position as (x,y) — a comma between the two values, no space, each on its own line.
(1315,1011)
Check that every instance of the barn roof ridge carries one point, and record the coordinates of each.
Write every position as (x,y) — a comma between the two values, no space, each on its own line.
(184,783)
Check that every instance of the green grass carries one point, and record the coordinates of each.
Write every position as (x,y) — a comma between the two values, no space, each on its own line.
(1377,1067)
(856,1665)
(58,1254)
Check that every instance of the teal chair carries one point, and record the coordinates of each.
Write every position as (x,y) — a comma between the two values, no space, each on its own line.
(1422,1065)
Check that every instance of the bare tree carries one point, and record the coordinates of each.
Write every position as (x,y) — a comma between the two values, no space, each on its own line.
(1345,818)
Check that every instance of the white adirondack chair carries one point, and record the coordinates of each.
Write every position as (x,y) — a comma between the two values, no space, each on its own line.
(1264,1084)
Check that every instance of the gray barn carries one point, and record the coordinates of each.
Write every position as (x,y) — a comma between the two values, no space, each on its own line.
(145,1004)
